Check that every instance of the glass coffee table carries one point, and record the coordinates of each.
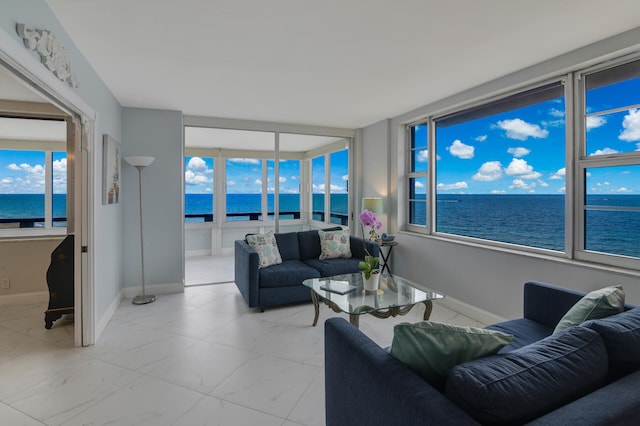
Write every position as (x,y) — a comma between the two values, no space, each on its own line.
(395,296)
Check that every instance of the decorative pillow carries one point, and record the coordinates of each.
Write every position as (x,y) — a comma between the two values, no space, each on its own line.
(621,335)
(334,244)
(519,386)
(431,349)
(267,248)
(595,305)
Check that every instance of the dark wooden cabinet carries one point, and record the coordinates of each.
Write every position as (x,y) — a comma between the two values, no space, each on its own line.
(60,282)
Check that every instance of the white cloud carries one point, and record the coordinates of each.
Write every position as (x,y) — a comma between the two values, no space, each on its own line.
(521,130)
(605,151)
(6,180)
(519,151)
(231,182)
(197,164)
(253,161)
(521,169)
(488,172)
(258,181)
(560,174)
(520,184)
(562,189)
(498,191)
(191,178)
(542,183)
(450,186)
(603,184)
(554,112)
(345,177)
(337,188)
(282,179)
(418,184)
(631,126)
(481,138)
(595,121)
(14,167)
(622,189)
(460,150)
(60,166)
(422,156)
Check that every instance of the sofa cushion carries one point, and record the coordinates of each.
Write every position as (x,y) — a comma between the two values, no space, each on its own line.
(267,248)
(334,244)
(309,243)
(331,267)
(524,330)
(621,335)
(594,305)
(431,349)
(288,246)
(287,273)
(519,386)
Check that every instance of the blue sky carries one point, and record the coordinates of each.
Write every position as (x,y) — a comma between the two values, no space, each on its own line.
(523,151)
(22,172)
(244,175)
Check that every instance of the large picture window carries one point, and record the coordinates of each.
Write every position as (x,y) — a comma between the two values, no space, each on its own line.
(198,189)
(500,167)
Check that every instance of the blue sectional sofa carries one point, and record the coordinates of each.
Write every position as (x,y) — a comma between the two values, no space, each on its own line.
(281,284)
(585,375)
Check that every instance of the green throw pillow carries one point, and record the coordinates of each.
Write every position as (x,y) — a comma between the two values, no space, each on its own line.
(334,244)
(431,349)
(595,305)
(267,248)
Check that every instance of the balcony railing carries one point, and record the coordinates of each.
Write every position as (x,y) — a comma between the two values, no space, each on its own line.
(28,222)
(337,218)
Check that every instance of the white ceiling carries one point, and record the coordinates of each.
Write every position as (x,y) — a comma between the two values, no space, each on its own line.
(339,63)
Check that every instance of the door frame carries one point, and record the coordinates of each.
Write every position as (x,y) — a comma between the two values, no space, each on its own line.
(17,60)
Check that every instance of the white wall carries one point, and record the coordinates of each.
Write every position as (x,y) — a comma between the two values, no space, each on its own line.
(489,279)
(159,134)
(106,242)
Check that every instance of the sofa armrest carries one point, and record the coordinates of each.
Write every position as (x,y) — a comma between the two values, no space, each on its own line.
(547,303)
(247,274)
(358,246)
(365,385)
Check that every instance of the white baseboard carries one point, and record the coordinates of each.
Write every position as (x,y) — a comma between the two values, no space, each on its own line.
(195,253)
(131,292)
(471,311)
(24,298)
(104,321)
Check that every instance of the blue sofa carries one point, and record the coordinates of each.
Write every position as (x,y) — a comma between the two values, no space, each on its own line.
(598,383)
(281,284)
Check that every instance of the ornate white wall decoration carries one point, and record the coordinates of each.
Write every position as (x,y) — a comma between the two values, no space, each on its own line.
(52,52)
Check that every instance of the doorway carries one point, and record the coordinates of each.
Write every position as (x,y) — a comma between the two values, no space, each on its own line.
(67,154)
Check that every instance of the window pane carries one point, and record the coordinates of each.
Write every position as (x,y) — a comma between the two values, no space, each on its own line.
(317,179)
(289,189)
(339,189)
(418,201)
(198,189)
(22,187)
(614,133)
(419,148)
(613,88)
(499,168)
(612,210)
(59,204)
(244,189)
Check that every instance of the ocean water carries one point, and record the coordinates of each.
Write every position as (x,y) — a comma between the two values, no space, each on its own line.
(533,220)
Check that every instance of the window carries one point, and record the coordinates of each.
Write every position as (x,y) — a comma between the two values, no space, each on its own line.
(318,183)
(609,163)
(339,187)
(59,188)
(244,189)
(499,168)
(198,189)
(289,189)
(500,162)
(418,159)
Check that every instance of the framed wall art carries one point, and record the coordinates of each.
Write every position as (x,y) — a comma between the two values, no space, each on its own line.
(110,170)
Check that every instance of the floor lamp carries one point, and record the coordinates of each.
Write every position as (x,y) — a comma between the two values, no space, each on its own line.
(140,163)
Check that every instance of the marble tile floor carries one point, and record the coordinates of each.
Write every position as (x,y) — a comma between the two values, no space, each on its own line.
(201,270)
(195,358)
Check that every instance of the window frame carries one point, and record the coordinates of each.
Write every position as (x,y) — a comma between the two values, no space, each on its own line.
(577,162)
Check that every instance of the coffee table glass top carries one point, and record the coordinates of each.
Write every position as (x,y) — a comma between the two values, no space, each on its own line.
(393,292)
